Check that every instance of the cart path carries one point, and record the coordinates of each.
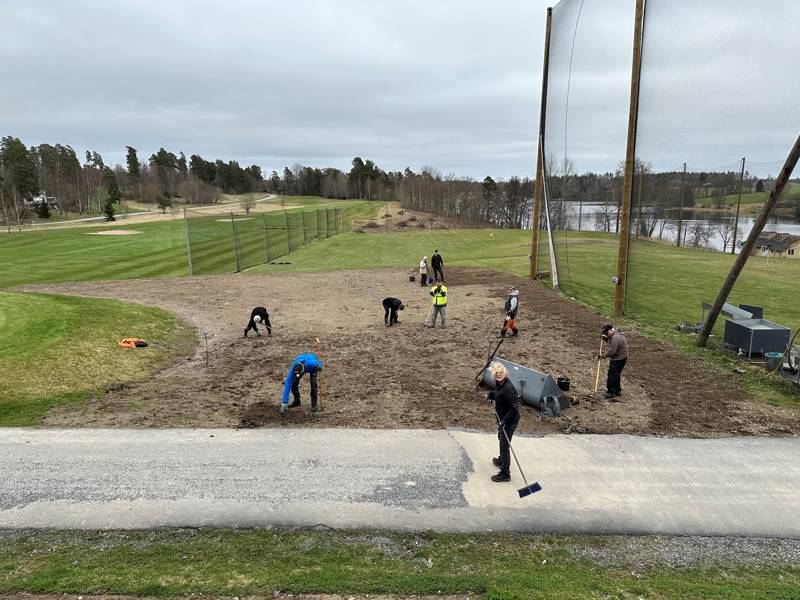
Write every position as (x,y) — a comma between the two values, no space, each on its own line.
(401,480)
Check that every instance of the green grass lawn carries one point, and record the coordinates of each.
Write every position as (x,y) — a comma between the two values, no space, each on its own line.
(59,349)
(748,199)
(159,250)
(243,563)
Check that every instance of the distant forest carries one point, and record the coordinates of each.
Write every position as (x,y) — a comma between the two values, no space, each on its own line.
(92,185)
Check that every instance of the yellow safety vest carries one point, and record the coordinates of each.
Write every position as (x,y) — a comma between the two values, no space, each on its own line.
(440,297)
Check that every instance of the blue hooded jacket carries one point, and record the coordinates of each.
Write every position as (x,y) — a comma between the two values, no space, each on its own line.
(309,362)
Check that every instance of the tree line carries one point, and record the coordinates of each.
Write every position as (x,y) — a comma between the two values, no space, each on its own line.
(93,185)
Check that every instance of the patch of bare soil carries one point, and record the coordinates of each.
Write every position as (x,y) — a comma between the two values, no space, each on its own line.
(394,218)
(406,376)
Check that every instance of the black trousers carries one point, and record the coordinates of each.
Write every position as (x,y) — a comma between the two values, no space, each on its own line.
(437,272)
(615,367)
(264,319)
(423,280)
(296,388)
(505,452)
(390,314)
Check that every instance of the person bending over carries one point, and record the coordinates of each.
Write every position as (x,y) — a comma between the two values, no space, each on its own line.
(304,363)
(390,308)
(258,315)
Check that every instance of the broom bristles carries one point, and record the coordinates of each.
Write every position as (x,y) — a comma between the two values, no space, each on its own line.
(529,489)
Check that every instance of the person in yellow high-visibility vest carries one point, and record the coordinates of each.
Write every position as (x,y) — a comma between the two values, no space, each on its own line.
(439,293)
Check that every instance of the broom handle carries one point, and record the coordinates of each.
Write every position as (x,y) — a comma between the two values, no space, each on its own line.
(597,377)
(319,356)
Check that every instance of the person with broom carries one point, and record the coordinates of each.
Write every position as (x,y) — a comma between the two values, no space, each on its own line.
(506,405)
(304,363)
(617,355)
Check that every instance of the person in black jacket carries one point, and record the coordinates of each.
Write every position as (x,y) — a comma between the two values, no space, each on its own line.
(390,307)
(506,405)
(258,315)
(437,262)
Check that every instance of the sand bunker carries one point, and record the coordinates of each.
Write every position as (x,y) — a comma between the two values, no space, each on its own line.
(115,232)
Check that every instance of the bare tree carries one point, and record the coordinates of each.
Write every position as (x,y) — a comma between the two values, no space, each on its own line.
(247,202)
(725,233)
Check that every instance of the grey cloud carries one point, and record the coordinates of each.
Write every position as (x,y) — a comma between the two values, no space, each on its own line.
(453,84)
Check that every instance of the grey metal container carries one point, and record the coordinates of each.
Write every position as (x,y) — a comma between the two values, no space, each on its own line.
(532,385)
(755,336)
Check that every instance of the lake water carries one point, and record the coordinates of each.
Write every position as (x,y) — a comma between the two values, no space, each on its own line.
(586,215)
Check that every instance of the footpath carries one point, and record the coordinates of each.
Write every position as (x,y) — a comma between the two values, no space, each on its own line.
(400,480)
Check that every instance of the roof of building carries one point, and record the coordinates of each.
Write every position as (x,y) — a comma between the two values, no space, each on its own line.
(777,242)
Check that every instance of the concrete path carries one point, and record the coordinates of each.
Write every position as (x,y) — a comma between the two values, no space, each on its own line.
(405,480)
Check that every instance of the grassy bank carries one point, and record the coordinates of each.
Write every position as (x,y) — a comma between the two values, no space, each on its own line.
(239,563)
(57,349)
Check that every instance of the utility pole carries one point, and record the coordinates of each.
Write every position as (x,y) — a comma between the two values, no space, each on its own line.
(749,244)
(537,196)
(680,207)
(630,155)
(738,205)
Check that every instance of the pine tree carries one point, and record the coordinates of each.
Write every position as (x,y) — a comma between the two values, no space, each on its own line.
(113,197)
(44,210)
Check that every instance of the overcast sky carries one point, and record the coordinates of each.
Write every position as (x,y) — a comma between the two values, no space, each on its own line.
(453,84)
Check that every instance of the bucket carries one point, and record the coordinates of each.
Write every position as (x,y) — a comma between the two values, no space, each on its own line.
(412,278)
(563,383)
(774,360)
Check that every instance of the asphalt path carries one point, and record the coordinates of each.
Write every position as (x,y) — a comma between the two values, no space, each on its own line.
(401,480)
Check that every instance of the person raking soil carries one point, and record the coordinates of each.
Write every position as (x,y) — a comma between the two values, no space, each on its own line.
(439,293)
(617,355)
(304,363)
(258,315)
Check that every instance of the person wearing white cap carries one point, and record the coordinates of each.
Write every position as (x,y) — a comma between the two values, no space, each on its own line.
(258,315)
(423,271)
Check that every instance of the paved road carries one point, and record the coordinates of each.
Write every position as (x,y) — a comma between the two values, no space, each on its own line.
(405,480)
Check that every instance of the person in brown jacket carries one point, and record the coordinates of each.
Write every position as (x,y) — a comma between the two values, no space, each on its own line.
(617,355)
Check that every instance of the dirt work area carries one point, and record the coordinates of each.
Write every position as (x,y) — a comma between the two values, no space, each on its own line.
(407,376)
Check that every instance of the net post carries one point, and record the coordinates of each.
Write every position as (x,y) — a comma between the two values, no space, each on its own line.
(266,236)
(303,225)
(288,238)
(537,195)
(188,239)
(630,155)
(235,244)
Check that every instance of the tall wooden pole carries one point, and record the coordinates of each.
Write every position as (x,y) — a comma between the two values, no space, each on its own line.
(738,205)
(749,244)
(630,154)
(537,196)
(680,206)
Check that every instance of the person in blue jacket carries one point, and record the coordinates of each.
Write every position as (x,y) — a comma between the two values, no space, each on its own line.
(304,363)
